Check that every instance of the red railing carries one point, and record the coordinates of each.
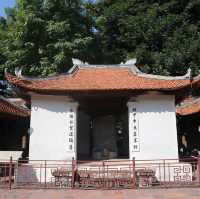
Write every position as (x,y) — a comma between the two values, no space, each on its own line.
(104,174)
(7,170)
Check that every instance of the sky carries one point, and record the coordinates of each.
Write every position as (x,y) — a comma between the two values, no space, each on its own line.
(9,3)
(4,4)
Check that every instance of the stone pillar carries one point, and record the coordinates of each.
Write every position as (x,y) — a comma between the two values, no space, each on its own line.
(134,139)
(72,129)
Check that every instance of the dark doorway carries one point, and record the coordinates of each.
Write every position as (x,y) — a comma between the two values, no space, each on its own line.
(189,135)
(103,130)
(14,134)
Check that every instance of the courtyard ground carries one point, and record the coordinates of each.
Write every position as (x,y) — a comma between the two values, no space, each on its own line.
(187,193)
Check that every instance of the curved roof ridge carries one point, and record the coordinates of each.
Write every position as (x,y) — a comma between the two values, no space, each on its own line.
(23,111)
(189,103)
(134,69)
(14,104)
(162,77)
(82,77)
(189,108)
(28,78)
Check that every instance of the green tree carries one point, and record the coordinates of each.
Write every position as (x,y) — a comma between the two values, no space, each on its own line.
(163,35)
(3,33)
(44,35)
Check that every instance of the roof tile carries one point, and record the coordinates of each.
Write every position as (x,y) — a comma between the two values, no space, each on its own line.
(99,79)
(8,108)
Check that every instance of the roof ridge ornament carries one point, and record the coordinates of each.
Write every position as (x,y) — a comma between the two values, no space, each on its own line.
(189,73)
(78,62)
(131,64)
(132,61)
(18,71)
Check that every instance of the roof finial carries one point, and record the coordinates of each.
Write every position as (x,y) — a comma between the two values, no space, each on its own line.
(132,61)
(78,62)
(18,71)
(189,72)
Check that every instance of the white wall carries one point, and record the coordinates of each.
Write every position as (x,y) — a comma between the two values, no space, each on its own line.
(49,134)
(156,126)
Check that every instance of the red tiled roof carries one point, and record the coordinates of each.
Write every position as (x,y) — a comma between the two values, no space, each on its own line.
(188,108)
(8,108)
(100,79)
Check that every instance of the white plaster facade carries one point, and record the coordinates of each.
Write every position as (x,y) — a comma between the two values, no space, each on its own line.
(152,132)
(155,125)
(50,128)
(155,128)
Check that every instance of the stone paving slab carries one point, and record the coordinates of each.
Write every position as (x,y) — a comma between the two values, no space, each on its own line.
(187,193)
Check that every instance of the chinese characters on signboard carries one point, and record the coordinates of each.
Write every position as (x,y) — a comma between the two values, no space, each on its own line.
(134,131)
(71,129)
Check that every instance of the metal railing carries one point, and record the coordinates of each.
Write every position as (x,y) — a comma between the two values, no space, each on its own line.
(104,174)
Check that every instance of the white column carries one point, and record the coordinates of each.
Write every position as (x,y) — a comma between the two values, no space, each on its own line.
(71,141)
(134,138)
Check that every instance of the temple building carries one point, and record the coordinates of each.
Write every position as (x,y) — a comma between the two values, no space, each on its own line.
(188,117)
(103,112)
(14,125)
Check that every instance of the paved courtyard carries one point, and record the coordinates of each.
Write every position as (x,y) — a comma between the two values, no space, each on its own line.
(187,193)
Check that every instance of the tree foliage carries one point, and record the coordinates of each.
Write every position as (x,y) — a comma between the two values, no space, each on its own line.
(44,35)
(163,35)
